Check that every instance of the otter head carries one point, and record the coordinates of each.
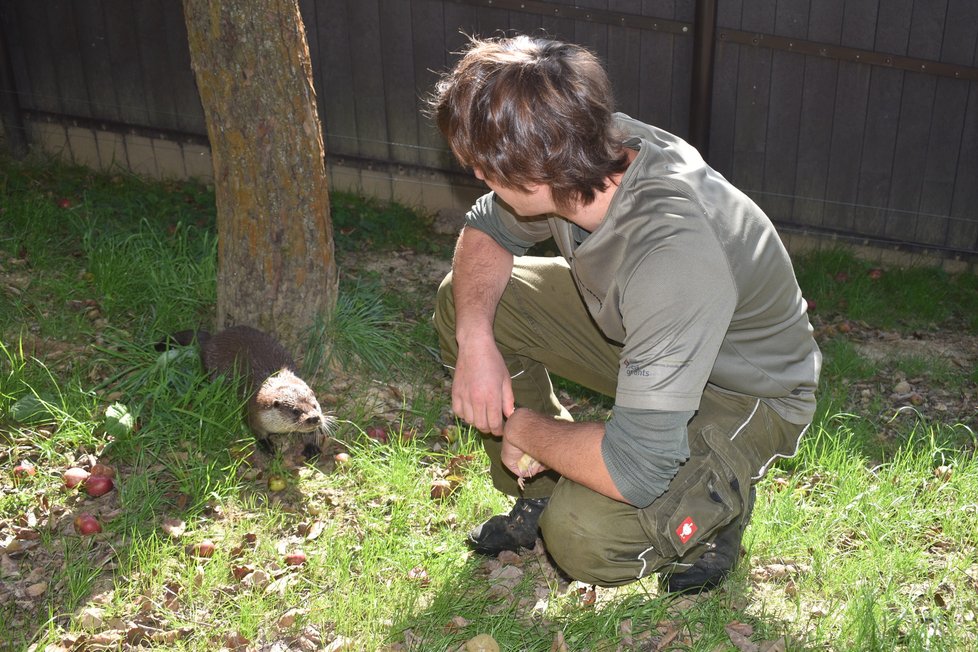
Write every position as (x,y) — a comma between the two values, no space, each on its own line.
(284,403)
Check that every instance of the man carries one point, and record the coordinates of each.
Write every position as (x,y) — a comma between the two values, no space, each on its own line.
(673,294)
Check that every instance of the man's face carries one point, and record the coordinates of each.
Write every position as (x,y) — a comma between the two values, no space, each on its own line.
(536,200)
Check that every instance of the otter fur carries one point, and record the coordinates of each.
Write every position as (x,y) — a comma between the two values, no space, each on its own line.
(278,401)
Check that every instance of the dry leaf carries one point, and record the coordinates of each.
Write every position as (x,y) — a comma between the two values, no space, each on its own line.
(174,528)
(740,641)
(456,624)
(773,646)
(559,645)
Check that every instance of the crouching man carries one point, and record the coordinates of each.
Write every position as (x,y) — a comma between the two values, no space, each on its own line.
(673,294)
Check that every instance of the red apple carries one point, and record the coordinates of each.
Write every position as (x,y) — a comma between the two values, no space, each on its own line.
(204,549)
(342,458)
(98,485)
(64,202)
(86,524)
(75,476)
(876,273)
(295,558)
(24,469)
(811,305)
(377,433)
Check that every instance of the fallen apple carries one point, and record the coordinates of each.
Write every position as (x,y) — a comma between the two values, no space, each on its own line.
(86,525)
(75,476)
(205,549)
(342,458)
(811,305)
(24,469)
(98,485)
(276,483)
(876,273)
(295,558)
(64,202)
(377,433)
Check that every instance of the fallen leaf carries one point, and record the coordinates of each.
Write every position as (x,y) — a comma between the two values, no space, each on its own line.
(174,528)
(36,590)
(559,644)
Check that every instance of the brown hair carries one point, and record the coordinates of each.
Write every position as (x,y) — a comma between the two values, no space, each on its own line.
(529,111)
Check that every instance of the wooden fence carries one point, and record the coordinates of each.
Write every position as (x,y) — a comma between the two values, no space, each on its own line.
(852,119)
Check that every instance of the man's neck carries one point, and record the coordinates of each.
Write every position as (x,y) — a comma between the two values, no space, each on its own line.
(590,216)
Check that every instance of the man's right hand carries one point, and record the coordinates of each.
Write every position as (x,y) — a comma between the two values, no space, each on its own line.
(482,391)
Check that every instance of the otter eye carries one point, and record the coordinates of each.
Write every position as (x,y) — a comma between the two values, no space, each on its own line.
(296,411)
(276,404)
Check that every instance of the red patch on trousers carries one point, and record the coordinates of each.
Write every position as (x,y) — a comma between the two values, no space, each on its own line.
(686,529)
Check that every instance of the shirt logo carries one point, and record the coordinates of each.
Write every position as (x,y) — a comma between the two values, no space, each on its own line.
(686,529)
(635,369)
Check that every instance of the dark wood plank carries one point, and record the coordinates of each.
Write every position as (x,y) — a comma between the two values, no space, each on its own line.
(655,70)
(879,145)
(403,98)
(960,43)
(96,60)
(624,58)
(927,29)
(334,56)
(127,75)
(368,74)
(37,80)
(825,21)
(432,54)
(859,25)
(750,136)
(893,26)
(791,18)
(912,136)
(814,140)
(784,120)
(848,126)
(963,229)
(723,124)
(66,51)
(152,55)
(945,147)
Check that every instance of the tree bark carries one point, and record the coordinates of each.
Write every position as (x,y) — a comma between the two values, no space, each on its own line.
(276,265)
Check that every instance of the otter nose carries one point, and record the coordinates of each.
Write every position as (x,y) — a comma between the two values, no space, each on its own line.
(314,419)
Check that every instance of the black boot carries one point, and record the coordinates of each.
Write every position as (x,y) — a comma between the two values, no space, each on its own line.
(709,571)
(509,531)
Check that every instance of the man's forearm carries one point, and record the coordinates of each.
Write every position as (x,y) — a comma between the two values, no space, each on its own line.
(571,449)
(480,271)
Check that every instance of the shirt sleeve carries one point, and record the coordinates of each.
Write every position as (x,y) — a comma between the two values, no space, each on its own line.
(643,450)
(514,234)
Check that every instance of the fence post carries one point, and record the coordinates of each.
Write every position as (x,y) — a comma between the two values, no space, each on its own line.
(701,86)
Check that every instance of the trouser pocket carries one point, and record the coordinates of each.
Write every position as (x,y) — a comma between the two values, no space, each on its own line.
(709,491)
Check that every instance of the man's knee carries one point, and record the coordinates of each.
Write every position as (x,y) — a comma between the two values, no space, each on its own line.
(583,546)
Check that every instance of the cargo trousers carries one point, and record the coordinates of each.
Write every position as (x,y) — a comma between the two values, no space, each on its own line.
(542,327)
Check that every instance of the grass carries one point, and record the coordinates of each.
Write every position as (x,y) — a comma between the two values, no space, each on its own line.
(863,541)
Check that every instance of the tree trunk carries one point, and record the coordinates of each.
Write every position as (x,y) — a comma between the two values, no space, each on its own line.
(276,265)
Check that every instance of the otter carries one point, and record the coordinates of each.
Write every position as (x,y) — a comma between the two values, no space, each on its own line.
(278,401)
